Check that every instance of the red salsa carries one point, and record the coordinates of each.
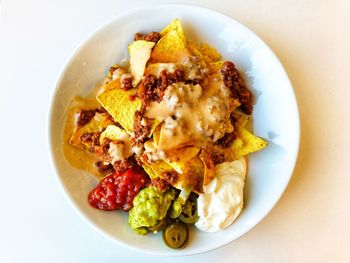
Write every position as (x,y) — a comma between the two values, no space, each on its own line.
(117,190)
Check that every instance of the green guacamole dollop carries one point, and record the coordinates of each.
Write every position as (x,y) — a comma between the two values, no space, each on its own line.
(150,206)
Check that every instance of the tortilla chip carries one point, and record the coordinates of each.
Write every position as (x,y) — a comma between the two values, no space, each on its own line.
(156,169)
(168,142)
(209,52)
(151,173)
(182,154)
(171,47)
(156,68)
(204,52)
(114,133)
(95,125)
(140,53)
(192,177)
(241,118)
(156,134)
(115,66)
(122,109)
(246,143)
(115,84)
(216,66)
(179,158)
(209,167)
(189,167)
(155,125)
(176,26)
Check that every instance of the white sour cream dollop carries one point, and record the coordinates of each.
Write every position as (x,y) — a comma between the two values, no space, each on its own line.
(222,200)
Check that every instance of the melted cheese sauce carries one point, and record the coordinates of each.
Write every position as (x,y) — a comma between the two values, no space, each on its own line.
(156,68)
(189,64)
(191,113)
(78,158)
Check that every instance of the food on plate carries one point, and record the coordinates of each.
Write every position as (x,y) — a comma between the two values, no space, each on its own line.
(150,207)
(176,235)
(222,200)
(168,137)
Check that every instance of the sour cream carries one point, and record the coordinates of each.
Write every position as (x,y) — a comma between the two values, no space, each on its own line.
(222,200)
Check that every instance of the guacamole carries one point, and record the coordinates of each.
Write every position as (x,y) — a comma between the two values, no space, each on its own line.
(150,206)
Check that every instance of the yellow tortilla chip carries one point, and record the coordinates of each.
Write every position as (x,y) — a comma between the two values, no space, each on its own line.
(186,163)
(115,84)
(192,177)
(151,173)
(155,125)
(204,52)
(179,158)
(140,53)
(156,68)
(118,104)
(176,26)
(168,142)
(115,66)
(156,134)
(95,125)
(182,154)
(216,66)
(114,133)
(209,167)
(241,118)
(209,52)
(171,47)
(246,143)
(156,169)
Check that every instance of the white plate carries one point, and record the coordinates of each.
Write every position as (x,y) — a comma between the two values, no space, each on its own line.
(276,118)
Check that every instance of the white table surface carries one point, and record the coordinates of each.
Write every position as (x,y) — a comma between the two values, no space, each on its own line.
(311,222)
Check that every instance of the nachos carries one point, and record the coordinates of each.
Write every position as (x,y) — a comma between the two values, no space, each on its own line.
(170,137)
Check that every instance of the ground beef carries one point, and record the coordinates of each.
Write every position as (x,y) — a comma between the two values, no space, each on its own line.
(112,69)
(217,156)
(132,97)
(152,37)
(152,89)
(139,160)
(166,79)
(227,139)
(160,183)
(102,151)
(84,117)
(176,76)
(146,90)
(234,81)
(170,177)
(142,126)
(123,165)
(104,168)
(92,139)
(127,83)
(101,110)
